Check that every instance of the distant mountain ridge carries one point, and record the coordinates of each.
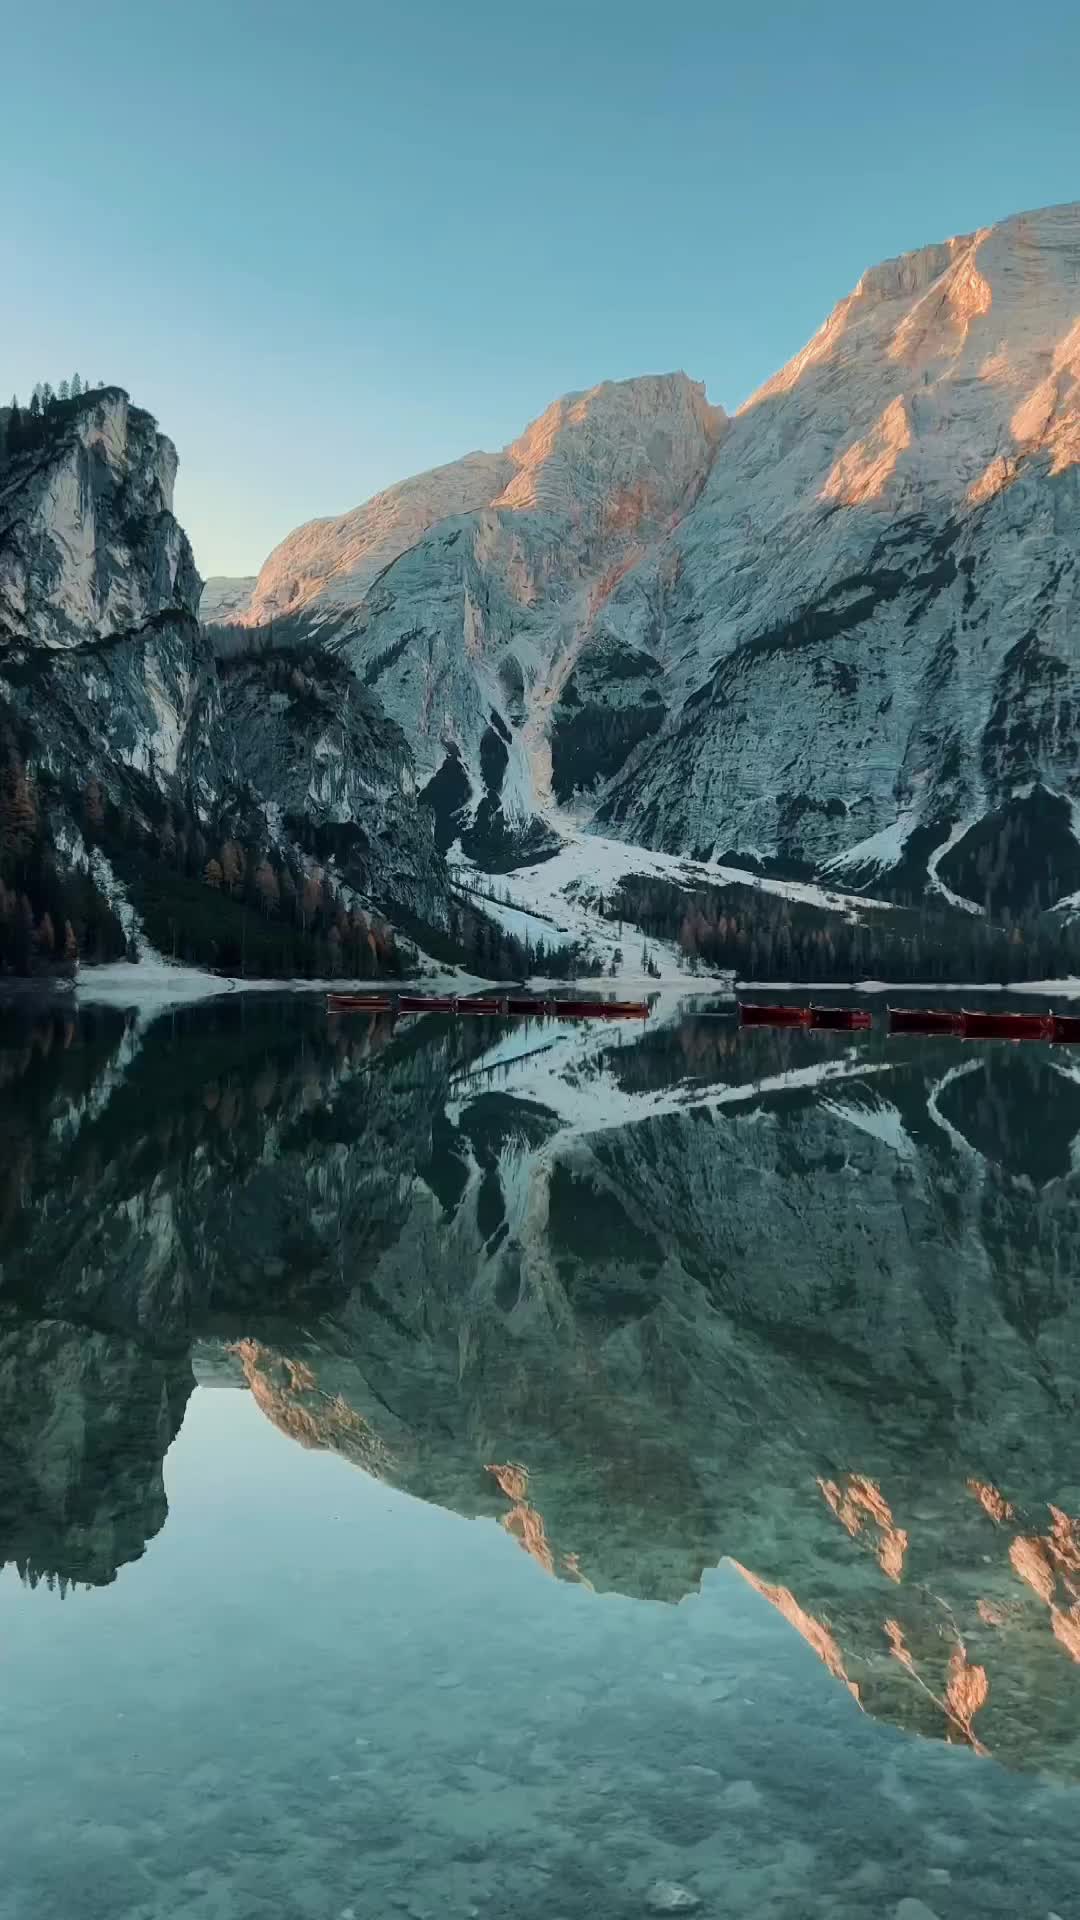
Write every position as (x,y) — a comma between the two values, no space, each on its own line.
(832,634)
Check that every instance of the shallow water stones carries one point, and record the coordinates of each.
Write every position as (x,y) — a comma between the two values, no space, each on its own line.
(914,1910)
(666,1896)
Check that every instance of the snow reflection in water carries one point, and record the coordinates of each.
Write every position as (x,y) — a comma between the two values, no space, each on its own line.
(648,1304)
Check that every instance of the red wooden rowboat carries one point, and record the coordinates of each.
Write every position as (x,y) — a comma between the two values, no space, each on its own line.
(477,1004)
(426,1003)
(359,1003)
(924,1020)
(753,1014)
(840,1019)
(1066,1026)
(1006,1026)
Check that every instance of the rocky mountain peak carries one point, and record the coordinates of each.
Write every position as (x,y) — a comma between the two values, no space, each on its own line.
(913,272)
(974,340)
(622,452)
(332,561)
(899,678)
(89,546)
(132,757)
(622,447)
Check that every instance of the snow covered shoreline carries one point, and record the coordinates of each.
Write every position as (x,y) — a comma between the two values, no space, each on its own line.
(157,985)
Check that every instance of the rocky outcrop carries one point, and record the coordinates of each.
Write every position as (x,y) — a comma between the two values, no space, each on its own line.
(89,546)
(121,723)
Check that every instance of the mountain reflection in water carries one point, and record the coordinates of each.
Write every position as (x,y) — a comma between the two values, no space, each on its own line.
(650,1298)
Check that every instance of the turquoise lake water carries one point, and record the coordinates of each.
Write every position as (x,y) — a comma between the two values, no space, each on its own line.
(504,1472)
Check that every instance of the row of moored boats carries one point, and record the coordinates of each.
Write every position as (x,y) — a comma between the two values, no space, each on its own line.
(513,1004)
(963,1023)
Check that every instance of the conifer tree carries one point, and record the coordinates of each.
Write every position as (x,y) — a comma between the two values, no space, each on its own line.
(18,808)
(232,865)
(266,886)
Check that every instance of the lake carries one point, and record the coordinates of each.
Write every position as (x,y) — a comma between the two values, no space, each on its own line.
(487,1468)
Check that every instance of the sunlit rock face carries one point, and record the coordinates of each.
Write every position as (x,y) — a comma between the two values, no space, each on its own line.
(835,631)
(474,597)
(872,630)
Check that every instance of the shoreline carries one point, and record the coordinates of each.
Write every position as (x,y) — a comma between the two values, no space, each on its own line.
(156,985)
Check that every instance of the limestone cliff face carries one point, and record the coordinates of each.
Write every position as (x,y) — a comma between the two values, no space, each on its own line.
(225,598)
(89,546)
(872,632)
(106,678)
(836,633)
(471,597)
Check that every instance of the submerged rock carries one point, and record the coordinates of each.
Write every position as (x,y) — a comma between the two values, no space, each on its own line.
(668,1897)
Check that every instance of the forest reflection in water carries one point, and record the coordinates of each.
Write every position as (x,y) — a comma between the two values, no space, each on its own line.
(649,1298)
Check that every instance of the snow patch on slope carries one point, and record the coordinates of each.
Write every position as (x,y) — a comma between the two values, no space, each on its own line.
(565,891)
(956,834)
(881,851)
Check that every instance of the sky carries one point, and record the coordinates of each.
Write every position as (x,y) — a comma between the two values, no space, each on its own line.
(333,244)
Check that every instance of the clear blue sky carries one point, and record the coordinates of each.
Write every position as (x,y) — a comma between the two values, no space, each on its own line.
(332,242)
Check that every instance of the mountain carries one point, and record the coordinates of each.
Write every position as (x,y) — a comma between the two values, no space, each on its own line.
(828,639)
(258,808)
(224,598)
(833,634)
(871,661)
(472,598)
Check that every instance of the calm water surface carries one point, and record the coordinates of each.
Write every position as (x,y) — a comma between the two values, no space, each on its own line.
(485,1469)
